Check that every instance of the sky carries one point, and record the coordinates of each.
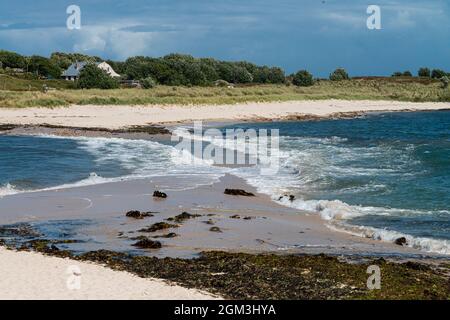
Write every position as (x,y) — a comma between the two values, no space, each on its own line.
(317,35)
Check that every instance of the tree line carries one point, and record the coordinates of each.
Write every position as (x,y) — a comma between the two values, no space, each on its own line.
(174,70)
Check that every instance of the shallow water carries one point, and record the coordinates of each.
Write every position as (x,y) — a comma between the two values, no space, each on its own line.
(387,174)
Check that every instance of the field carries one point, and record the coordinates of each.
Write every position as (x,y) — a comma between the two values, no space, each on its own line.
(17,93)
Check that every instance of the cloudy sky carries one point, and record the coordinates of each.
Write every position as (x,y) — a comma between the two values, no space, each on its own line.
(318,35)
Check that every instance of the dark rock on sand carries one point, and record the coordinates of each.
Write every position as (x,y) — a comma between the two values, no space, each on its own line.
(183,216)
(159,194)
(215,229)
(210,222)
(138,214)
(146,243)
(401,241)
(167,236)
(290,196)
(238,192)
(236,216)
(158,226)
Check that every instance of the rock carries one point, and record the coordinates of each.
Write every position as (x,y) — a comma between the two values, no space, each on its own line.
(183,216)
(146,243)
(248,218)
(159,194)
(138,215)
(215,229)
(210,222)
(235,217)
(290,196)
(158,226)
(238,192)
(401,241)
(167,236)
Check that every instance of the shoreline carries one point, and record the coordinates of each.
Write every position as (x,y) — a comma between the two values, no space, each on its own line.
(122,117)
(287,232)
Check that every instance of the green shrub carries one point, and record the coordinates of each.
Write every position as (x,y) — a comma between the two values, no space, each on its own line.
(437,74)
(148,83)
(397,74)
(445,81)
(424,72)
(303,79)
(407,74)
(93,77)
(339,74)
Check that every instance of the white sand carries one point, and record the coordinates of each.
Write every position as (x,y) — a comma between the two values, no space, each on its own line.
(27,275)
(122,116)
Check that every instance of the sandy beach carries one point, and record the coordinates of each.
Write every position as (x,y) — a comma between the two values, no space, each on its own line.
(96,217)
(115,117)
(29,275)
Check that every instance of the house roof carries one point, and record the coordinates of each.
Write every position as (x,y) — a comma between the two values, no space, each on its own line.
(75,68)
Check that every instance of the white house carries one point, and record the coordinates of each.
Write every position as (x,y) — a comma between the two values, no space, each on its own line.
(73,72)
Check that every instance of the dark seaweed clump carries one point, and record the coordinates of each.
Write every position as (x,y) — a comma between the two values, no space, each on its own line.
(238,192)
(159,194)
(139,215)
(183,217)
(159,226)
(270,276)
(146,243)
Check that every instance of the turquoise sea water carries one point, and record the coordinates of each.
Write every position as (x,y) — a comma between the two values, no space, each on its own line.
(382,175)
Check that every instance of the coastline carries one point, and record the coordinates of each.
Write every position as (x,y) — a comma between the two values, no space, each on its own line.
(277,226)
(331,265)
(119,117)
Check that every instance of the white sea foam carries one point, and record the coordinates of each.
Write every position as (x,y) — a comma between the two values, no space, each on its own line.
(7,190)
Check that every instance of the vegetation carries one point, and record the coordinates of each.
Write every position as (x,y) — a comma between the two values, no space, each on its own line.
(183,79)
(402,74)
(339,75)
(303,79)
(399,89)
(424,72)
(93,77)
(445,81)
(148,83)
(438,74)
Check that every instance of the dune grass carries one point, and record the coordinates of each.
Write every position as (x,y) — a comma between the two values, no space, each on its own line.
(355,89)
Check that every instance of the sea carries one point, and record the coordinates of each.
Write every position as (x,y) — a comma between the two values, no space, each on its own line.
(381,175)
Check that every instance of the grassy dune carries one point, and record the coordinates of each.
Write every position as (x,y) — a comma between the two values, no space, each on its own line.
(401,89)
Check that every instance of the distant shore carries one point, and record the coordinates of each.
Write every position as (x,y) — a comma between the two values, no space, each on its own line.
(125,116)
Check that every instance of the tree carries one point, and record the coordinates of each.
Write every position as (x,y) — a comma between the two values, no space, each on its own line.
(424,72)
(303,79)
(241,75)
(407,74)
(339,74)
(438,74)
(10,59)
(93,77)
(43,67)
(148,83)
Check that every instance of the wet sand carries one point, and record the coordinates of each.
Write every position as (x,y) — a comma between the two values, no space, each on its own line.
(96,215)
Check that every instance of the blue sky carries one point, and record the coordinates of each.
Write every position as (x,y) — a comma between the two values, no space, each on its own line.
(318,35)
